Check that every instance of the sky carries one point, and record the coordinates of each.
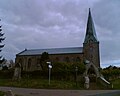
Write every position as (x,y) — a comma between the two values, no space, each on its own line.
(38,24)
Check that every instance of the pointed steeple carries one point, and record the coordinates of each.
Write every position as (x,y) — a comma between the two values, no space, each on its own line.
(90,30)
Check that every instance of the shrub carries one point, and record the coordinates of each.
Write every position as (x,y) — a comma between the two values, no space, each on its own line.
(59,71)
(6,74)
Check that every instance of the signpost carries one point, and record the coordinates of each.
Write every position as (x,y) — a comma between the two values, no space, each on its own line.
(49,67)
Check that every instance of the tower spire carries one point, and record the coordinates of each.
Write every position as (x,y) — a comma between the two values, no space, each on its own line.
(90,30)
(91,43)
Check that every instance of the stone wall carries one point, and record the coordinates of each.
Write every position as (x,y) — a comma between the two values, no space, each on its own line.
(31,63)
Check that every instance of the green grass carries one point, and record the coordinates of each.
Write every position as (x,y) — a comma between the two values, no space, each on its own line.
(2,93)
(116,84)
(41,83)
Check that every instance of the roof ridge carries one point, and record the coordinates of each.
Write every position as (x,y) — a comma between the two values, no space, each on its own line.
(22,51)
(52,51)
(53,48)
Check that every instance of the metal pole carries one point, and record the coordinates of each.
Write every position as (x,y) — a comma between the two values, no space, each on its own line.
(49,69)
(49,75)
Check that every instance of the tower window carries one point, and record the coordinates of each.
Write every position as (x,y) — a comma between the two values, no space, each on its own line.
(91,49)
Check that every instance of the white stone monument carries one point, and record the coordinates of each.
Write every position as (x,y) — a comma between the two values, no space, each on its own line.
(86,84)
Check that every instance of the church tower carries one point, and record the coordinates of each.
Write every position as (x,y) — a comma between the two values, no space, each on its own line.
(91,43)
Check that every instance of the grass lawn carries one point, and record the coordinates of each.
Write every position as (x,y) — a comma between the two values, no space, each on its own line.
(41,83)
(116,84)
(1,93)
(54,84)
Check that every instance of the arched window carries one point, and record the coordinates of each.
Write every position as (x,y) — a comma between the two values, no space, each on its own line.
(21,63)
(29,63)
(78,59)
(67,59)
(38,62)
(57,59)
(73,59)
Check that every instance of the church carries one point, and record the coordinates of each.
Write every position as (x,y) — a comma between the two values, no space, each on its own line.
(30,58)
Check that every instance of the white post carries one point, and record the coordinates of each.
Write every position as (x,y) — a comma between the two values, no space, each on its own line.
(49,75)
(50,67)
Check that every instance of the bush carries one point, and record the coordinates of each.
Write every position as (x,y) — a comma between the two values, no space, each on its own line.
(67,71)
(111,72)
(2,93)
(5,68)
(34,74)
(59,71)
(6,74)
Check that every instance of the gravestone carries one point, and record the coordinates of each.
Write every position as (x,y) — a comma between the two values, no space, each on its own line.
(17,72)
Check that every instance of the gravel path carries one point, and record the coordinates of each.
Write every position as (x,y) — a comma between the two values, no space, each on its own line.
(47,92)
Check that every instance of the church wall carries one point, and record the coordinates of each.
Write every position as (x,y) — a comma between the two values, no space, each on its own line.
(31,63)
(66,57)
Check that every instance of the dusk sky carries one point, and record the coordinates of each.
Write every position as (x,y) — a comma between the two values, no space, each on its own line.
(38,24)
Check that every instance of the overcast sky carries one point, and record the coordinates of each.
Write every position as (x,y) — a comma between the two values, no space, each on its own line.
(35,24)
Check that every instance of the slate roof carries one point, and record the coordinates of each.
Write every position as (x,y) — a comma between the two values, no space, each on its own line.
(70,50)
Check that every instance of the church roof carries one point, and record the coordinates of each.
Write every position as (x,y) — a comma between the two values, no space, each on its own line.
(70,50)
(90,31)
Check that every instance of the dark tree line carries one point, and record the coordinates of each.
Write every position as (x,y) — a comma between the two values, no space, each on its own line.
(44,58)
(111,72)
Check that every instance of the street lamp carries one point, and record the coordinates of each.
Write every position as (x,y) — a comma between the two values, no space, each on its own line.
(49,67)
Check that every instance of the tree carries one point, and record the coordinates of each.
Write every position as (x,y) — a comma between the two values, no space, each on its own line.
(12,63)
(5,67)
(1,45)
(111,72)
(44,59)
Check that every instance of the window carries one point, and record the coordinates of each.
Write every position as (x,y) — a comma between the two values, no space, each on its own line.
(57,59)
(78,59)
(29,63)
(21,63)
(91,49)
(38,62)
(73,59)
(67,59)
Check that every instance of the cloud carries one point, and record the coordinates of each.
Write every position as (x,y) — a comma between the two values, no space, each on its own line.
(106,16)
